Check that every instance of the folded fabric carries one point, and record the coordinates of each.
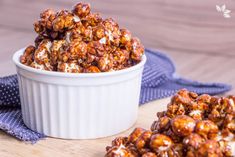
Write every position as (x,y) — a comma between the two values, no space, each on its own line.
(159,80)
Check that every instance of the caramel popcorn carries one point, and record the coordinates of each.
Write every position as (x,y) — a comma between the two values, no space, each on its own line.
(92,69)
(80,41)
(44,25)
(69,67)
(63,20)
(92,19)
(27,57)
(81,10)
(192,126)
(125,37)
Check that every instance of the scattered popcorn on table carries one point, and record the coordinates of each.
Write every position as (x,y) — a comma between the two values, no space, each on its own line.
(179,133)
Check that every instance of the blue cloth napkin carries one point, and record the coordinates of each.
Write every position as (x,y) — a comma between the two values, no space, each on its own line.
(159,81)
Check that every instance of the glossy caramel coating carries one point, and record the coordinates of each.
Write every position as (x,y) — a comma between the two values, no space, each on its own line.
(96,48)
(99,33)
(92,19)
(38,66)
(183,125)
(193,140)
(63,20)
(161,124)
(177,150)
(112,32)
(69,67)
(175,109)
(135,134)
(209,148)
(120,56)
(110,24)
(74,34)
(82,37)
(105,63)
(225,148)
(77,50)
(149,154)
(203,102)
(119,151)
(192,126)
(160,143)
(143,140)
(125,37)
(56,48)
(206,129)
(137,49)
(41,54)
(27,57)
(82,10)
(92,69)
(44,25)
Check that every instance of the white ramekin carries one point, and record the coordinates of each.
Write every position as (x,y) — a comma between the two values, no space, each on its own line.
(79,106)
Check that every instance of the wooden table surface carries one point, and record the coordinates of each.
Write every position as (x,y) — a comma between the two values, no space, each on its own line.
(199,40)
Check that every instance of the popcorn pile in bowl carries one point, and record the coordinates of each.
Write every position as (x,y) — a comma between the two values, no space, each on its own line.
(80,41)
(192,126)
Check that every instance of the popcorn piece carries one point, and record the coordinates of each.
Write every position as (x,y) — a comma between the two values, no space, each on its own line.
(96,48)
(120,56)
(192,142)
(112,32)
(81,10)
(160,143)
(209,148)
(44,24)
(41,54)
(63,57)
(196,114)
(143,140)
(125,37)
(203,102)
(63,20)
(77,50)
(226,147)
(183,125)
(69,67)
(105,63)
(99,33)
(92,19)
(27,57)
(137,49)
(38,66)
(119,151)
(206,129)
(110,25)
(92,69)
(90,59)
(161,124)
(56,48)
(149,154)
(87,33)
(74,34)
(135,135)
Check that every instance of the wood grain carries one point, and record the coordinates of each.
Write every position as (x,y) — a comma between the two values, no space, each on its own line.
(197,38)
